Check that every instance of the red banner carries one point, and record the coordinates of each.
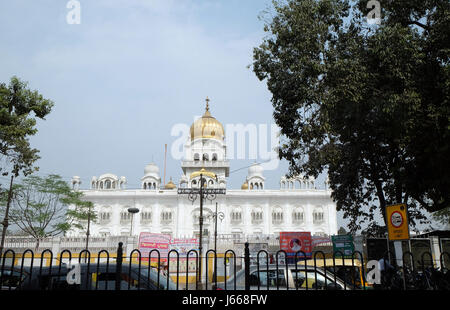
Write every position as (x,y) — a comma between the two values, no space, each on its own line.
(292,242)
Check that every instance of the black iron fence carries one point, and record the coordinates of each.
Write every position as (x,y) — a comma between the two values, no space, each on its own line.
(219,271)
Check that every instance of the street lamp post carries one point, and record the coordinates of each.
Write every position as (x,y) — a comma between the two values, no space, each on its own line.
(221,216)
(208,193)
(133,211)
(216,215)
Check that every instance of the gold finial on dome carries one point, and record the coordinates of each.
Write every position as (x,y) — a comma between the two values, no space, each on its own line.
(170,185)
(207,127)
(245,185)
(207,113)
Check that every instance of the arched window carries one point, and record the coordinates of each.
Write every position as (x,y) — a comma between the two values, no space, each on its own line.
(166,217)
(277,216)
(236,216)
(196,157)
(107,184)
(297,216)
(214,156)
(146,216)
(125,216)
(318,216)
(206,156)
(257,215)
(104,217)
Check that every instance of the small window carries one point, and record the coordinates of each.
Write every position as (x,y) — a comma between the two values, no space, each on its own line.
(107,281)
(271,279)
(321,283)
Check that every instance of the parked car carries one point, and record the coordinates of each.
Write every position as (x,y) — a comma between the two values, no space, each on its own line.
(348,270)
(10,278)
(93,277)
(283,277)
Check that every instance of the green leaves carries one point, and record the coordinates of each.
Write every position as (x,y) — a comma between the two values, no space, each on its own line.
(18,107)
(46,206)
(368,104)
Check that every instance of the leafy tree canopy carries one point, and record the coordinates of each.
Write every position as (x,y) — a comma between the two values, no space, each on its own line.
(19,108)
(40,206)
(369,104)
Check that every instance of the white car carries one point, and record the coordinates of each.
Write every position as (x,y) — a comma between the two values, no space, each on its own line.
(286,278)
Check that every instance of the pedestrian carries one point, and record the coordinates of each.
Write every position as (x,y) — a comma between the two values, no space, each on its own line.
(387,271)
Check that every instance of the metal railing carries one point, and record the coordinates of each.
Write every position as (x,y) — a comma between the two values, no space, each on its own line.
(263,270)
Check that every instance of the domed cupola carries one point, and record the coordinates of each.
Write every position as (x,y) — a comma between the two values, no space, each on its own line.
(151,179)
(151,170)
(255,178)
(207,127)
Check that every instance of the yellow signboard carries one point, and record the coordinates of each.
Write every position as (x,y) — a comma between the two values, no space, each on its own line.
(397,222)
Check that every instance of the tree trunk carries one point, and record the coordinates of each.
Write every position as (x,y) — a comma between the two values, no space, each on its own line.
(36,248)
(383,203)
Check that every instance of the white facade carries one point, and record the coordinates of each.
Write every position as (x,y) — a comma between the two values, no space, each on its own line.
(251,210)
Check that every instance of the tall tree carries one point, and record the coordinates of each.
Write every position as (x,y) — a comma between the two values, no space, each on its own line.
(368,104)
(19,108)
(46,206)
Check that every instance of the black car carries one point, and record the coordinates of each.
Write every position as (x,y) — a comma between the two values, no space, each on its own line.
(10,278)
(95,277)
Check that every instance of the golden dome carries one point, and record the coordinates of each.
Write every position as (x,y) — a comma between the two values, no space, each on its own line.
(170,185)
(245,185)
(207,127)
(203,172)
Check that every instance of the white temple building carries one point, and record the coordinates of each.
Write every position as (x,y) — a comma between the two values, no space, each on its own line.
(251,210)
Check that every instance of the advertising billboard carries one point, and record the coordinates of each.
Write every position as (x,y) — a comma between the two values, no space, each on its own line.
(164,244)
(292,242)
(151,241)
(183,246)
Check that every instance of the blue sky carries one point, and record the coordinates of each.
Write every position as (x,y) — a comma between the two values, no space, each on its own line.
(132,70)
(128,73)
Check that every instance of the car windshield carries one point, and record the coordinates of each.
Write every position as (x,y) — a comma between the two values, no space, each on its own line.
(314,279)
(11,279)
(349,274)
(152,275)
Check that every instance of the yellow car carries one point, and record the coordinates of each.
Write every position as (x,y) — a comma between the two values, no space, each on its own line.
(348,270)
